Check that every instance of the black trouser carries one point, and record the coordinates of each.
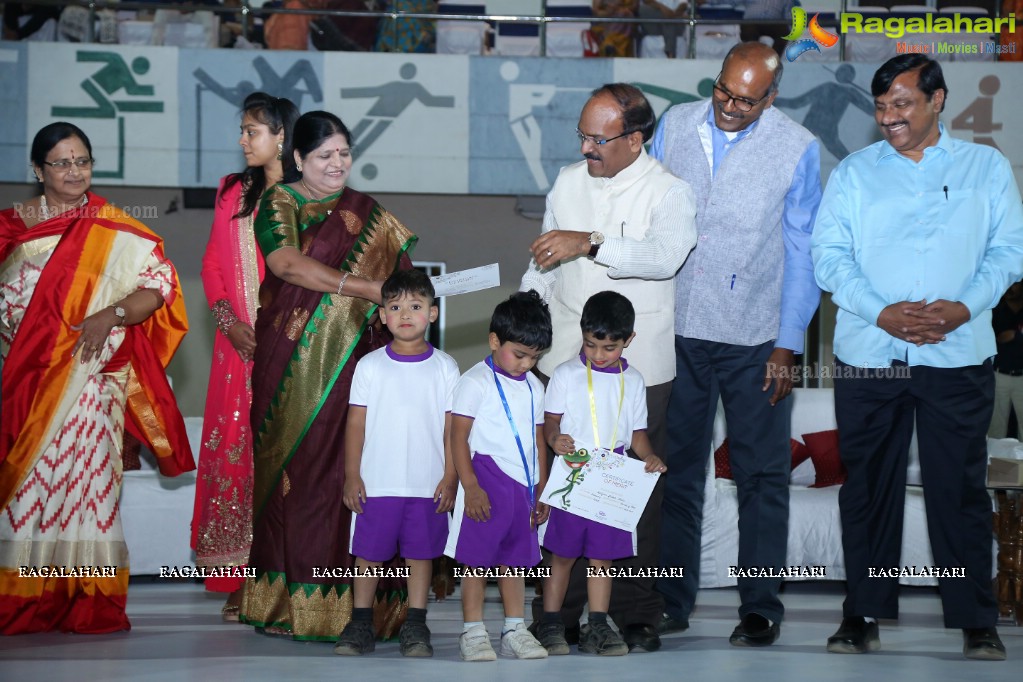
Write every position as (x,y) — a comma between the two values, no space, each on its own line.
(761,462)
(876,410)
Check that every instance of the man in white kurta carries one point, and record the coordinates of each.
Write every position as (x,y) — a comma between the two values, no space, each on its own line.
(617,220)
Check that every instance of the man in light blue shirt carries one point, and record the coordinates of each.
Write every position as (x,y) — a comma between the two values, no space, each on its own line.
(917,238)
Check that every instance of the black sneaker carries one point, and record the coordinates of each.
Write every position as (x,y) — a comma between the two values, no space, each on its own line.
(414,640)
(669,624)
(356,639)
(552,637)
(600,639)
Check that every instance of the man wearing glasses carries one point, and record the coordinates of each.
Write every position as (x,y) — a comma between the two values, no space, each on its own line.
(617,220)
(742,305)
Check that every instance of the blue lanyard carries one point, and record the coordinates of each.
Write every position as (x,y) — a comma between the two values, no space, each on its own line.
(515,430)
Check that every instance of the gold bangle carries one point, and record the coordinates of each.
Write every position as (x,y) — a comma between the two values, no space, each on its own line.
(344,278)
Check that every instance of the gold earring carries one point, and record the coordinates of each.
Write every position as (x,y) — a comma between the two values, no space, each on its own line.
(280,151)
(298,167)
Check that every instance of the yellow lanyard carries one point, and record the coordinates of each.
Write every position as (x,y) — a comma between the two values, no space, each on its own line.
(593,404)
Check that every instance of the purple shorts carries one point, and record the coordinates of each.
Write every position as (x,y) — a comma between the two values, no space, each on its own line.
(571,536)
(507,539)
(408,526)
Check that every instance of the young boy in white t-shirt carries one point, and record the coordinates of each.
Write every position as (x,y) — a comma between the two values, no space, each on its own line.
(399,478)
(597,403)
(497,417)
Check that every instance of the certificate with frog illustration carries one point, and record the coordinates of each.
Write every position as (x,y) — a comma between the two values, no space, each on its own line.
(605,487)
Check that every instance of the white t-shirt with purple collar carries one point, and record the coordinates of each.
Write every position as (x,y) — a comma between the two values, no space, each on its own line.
(477,397)
(406,399)
(568,395)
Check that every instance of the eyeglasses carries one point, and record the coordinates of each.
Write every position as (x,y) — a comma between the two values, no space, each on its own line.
(740,103)
(81,163)
(600,143)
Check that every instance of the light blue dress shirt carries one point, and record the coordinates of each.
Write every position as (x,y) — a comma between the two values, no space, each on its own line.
(890,229)
(799,293)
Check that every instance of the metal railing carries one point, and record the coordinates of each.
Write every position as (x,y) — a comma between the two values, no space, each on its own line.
(248,13)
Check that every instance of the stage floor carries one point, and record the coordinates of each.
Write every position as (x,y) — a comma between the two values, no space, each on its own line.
(177,634)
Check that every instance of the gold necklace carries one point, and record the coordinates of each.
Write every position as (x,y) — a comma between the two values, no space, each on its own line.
(311,194)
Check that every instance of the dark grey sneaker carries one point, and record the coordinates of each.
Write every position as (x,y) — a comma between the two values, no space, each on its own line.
(600,639)
(552,637)
(669,624)
(414,640)
(356,639)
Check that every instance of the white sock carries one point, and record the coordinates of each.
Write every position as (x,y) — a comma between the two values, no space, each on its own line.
(869,619)
(512,623)
(469,625)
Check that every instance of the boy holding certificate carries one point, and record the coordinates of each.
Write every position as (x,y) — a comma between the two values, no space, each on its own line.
(596,403)
(496,423)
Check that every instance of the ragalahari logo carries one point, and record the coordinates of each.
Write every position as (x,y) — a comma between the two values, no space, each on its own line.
(818,36)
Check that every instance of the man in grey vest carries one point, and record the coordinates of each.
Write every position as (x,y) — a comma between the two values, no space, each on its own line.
(616,220)
(743,301)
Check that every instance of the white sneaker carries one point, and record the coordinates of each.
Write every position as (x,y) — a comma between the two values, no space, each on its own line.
(521,643)
(474,645)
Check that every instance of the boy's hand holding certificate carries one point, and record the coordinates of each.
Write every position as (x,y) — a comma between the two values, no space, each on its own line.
(605,487)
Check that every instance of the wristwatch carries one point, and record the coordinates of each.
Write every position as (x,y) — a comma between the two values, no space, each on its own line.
(119,311)
(596,239)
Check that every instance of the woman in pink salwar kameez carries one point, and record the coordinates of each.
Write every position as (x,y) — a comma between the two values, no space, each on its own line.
(232,269)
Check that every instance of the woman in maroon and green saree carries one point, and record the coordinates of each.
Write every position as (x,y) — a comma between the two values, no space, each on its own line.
(328,248)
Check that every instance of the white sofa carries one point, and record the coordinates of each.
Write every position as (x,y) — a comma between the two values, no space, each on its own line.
(815,530)
(156,512)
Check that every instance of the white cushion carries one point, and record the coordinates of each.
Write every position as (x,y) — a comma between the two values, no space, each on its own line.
(813,410)
(804,475)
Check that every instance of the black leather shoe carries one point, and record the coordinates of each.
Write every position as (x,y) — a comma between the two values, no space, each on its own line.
(983,644)
(669,625)
(641,637)
(855,636)
(571,631)
(754,630)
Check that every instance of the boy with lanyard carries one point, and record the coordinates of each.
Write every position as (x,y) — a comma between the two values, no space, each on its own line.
(400,480)
(597,403)
(496,423)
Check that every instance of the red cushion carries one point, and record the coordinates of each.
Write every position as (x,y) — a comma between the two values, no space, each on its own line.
(800,453)
(823,447)
(723,466)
